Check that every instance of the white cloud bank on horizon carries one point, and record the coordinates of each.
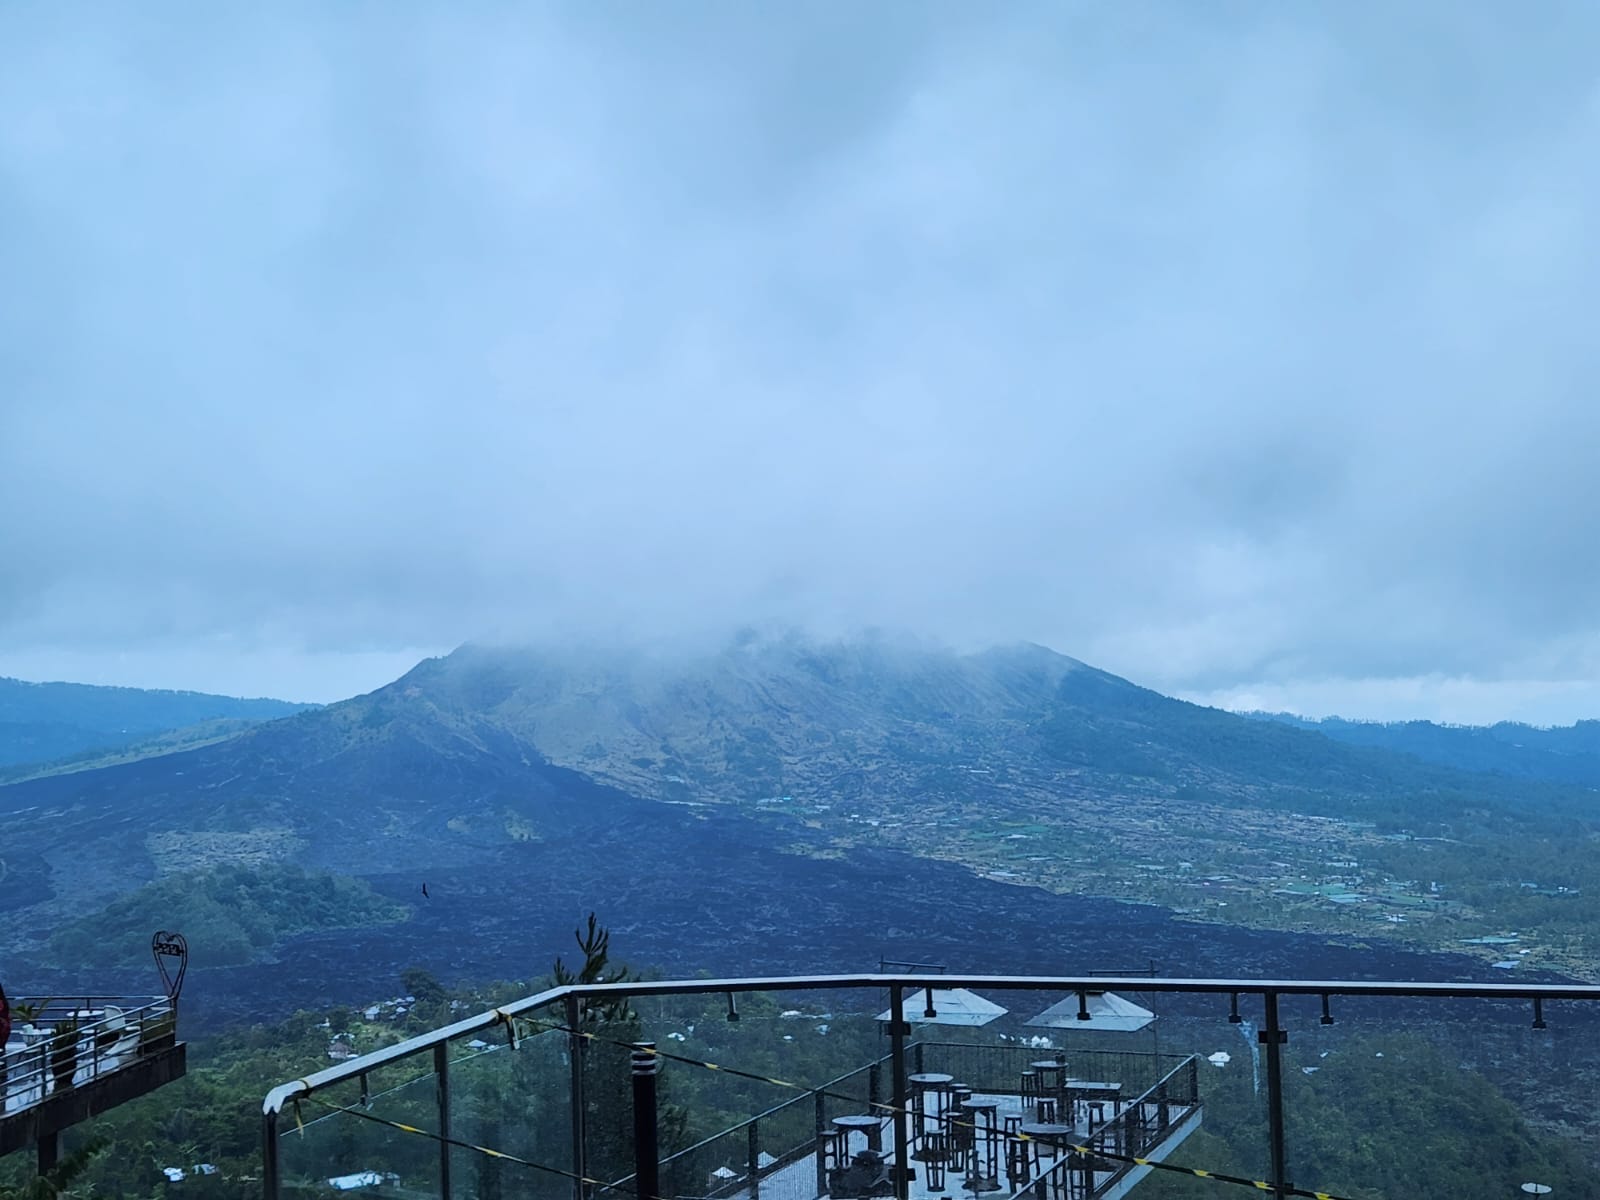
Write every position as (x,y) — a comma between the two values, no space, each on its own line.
(1242,352)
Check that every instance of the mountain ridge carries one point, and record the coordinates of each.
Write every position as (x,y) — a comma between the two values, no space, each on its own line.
(1017,762)
(47,722)
(1561,753)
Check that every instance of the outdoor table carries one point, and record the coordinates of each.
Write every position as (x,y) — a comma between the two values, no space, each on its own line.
(869,1126)
(1047,1133)
(1086,1091)
(1052,1072)
(922,1086)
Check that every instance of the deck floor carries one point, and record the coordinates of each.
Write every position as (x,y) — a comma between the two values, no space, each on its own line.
(798,1180)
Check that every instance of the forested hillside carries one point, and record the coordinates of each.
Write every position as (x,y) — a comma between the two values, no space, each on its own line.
(1562,754)
(230,914)
(43,722)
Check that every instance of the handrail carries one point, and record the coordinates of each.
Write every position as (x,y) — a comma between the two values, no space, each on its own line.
(273,1104)
(68,1051)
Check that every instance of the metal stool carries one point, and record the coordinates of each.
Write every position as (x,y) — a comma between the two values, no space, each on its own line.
(959,1123)
(1019,1159)
(934,1157)
(1029,1088)
(1052,1074)
(926,1089)
(830,1150)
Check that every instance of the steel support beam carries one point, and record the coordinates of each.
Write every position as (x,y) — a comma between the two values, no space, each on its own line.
(897,1066)
(577,1048)
(441,1079)
(1273,1036)
(646,1146)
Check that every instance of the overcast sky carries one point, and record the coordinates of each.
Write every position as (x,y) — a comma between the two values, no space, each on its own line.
(1247,350)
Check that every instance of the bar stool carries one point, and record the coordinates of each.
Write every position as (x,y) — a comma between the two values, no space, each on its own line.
(1019,1158)
(959,1123)
(935,1154)
(831,1151)
(1046,1109)
(1029,1088)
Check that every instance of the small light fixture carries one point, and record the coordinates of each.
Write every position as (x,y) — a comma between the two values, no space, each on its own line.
(1327,1017)
(1233,1015)
(733,1008)
(1538,1014)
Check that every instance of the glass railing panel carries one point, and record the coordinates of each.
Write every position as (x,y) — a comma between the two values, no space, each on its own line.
(340,1138)
(768,1097)
(1433,1099)
(786,1064)
(515,1099)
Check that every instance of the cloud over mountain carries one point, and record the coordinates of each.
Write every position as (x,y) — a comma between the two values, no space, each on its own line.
(1231,352)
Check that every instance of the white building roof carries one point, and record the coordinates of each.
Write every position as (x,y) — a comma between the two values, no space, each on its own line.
(1108,1012)
(951,1006)
(349,1183)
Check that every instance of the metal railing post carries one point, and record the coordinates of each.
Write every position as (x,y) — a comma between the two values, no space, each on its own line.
(822,1127)
(753,1158)
(577,1048)
(897,1065)
(269,1156)
(646,1149)
(441,1078)
(1273,1036)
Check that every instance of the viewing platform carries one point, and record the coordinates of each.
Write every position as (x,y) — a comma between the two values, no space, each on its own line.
(76,1058)
(799,1088)
(973,1130)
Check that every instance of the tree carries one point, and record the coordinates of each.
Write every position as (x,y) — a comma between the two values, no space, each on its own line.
(59,1178)
(595,942)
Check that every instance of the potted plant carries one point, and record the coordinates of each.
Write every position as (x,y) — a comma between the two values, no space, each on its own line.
(29,1011)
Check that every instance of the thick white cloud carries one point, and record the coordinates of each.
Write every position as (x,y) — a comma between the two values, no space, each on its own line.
(1239,351)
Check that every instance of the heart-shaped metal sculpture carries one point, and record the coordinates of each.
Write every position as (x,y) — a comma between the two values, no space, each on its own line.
(164,948)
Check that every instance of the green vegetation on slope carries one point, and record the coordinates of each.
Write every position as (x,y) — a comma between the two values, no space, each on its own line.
(230,914)
(1383,1116)
(171,741)
(1567,754)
